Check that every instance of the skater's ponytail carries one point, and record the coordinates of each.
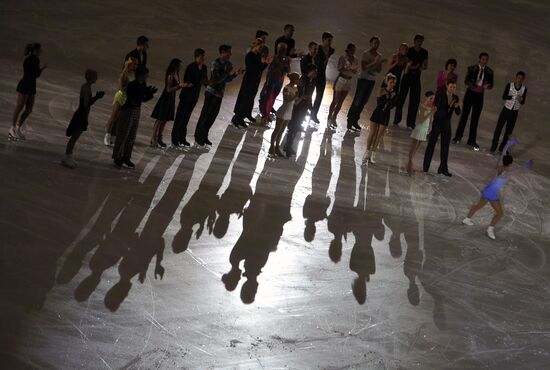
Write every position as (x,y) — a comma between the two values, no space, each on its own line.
(31,48)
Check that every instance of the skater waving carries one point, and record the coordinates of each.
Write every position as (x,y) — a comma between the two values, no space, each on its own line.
(490,193)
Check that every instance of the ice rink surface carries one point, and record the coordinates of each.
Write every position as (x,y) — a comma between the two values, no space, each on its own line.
(79,248)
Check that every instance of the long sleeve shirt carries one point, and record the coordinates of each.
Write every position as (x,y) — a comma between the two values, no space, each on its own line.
(306,61)
(222,73)
(135,54)
(254,64)
(442,78)
(444,112)
(476,72)
(137,93)
(197,76)
(290,45)
(31,68)
(321,60)
(514,97)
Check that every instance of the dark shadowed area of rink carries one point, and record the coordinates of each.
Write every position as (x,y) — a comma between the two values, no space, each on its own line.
(344,266)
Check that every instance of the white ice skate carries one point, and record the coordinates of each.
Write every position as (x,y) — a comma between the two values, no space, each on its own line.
(371,159)
(12,134)
(491,232)
(366,158)
(468,221)
(107,139)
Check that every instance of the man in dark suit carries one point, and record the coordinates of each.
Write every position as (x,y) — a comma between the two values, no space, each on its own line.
(478,79)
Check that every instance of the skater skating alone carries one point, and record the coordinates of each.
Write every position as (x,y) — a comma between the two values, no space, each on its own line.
(26,90)
(419,134)
(490,193)
(79,122)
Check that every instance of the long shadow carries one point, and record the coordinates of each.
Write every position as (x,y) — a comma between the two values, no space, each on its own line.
(316,203)
(362,259)
(150,243)
(239,192)
(37,227)
(263,221)
(343,215)
(201,208)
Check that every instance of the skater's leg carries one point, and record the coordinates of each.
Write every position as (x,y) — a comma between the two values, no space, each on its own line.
(499,213)
(482,202)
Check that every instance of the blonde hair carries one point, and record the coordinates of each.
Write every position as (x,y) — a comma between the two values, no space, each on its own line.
(389,77)
(123,77)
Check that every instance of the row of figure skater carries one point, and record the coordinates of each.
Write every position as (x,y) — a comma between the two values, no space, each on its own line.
(404,67)
(402,79)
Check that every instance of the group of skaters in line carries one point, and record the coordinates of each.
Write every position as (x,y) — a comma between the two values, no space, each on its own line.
(428,119)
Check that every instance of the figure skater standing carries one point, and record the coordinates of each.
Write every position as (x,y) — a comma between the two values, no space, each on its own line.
(490,193)
(79,122)
(26,90)
(420,131)
(347,68)
(137,92)
(127,75)
(166,105)
(385,101)
(284,113)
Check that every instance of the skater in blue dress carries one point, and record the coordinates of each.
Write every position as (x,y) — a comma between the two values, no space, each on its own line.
(490,193)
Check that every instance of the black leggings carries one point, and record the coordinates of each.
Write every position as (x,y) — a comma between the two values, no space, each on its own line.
(72,141)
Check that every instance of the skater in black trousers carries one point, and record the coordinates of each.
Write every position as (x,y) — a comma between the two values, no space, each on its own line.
(255,64)
(417,62)
(446,104)
(324,53)
(514,96)
(137,92)
(478,79)
(262,35)
(309,58)
(306,86)
(195,75)
(140,52)
(79,122)
(222,72)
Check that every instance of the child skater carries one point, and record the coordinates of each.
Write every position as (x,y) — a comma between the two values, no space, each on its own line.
(284,113)
(79,122)
(420,132)
(490,193)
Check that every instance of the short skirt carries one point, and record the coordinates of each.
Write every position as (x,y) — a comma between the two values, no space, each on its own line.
(341,84)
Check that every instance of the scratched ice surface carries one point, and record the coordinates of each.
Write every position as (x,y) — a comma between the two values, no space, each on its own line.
(344,266)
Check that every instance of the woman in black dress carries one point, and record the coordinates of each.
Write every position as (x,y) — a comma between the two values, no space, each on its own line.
(255,65)
(26,90)
(166,105)
(79,122)
(385,101)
